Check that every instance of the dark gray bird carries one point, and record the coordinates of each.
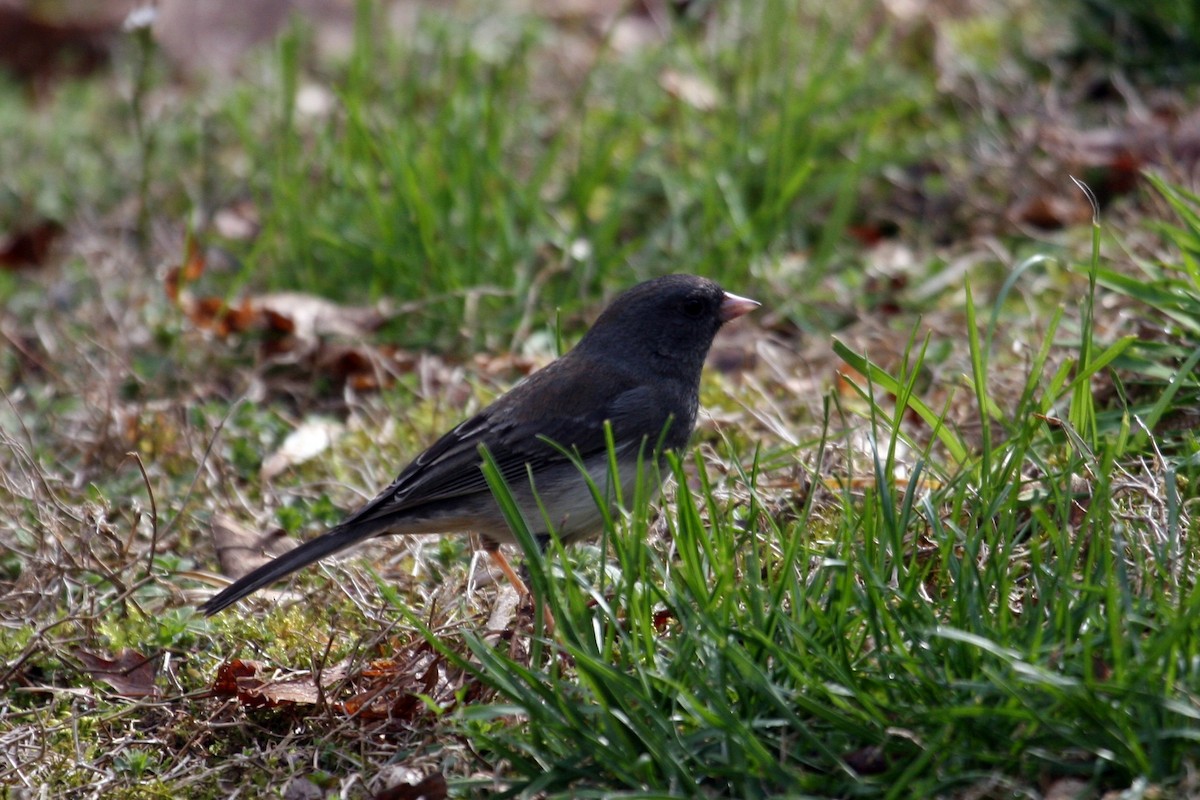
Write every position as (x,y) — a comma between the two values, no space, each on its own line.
(638,368)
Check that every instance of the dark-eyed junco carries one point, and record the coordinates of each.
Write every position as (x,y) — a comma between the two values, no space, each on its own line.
(638,368)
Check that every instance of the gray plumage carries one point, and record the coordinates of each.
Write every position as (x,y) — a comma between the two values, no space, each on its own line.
(637,368)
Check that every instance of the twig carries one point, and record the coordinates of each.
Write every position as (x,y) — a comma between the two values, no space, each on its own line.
(153,512)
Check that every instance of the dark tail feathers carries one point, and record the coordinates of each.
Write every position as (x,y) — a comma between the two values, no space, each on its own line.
(313,550)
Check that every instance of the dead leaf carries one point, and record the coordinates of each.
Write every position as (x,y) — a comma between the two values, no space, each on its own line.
(240,550)
(297,691)
(238,221)
(36,49)
(661,619)
(847,378)
(504,609)
(29,247)
(304,316)
(299,335)
(1110,160)
(302,789)
(288,313)
(1069,789)
(188,272)
(225,684)
(691,89)
(310,317)
(871,233)
(1050,211)
(303,444)
(314,100)
(389,689)
(869,760)
(392,688)
(131,674)
(505,364)
(1126,149)
(432,787)
(354,366)
(250,683)
(293,327)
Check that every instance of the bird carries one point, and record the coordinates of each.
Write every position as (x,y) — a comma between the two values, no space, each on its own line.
(636,371)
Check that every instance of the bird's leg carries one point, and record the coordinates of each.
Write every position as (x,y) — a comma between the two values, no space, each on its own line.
(502,564)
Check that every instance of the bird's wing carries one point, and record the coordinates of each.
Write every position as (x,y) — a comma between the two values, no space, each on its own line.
(450,468)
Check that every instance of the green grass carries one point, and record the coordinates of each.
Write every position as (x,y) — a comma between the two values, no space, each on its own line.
(418,188)
(1029,614)
(972,621)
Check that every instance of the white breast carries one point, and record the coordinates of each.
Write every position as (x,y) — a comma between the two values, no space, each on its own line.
(568,506)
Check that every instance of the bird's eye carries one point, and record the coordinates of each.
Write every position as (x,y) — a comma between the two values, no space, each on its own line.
(693,307)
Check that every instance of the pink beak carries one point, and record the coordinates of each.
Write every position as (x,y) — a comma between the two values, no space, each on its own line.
(733,307)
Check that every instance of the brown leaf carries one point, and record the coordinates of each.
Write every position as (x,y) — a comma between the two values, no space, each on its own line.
(1049,211)
(868,234)
(218,315)
(869,760)
(131,674)
(228,674)
(662,618)
(386,689)
(276,323)
(254,692)
(392,688)
(303,334)
(35,49)
(230,319)
(311,317)
(432,787)
(348,365)
(1068,789)
(29,247)
(189,271)
(249,683)
(238,221)
(241,550)
(847,378)
(282,314)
